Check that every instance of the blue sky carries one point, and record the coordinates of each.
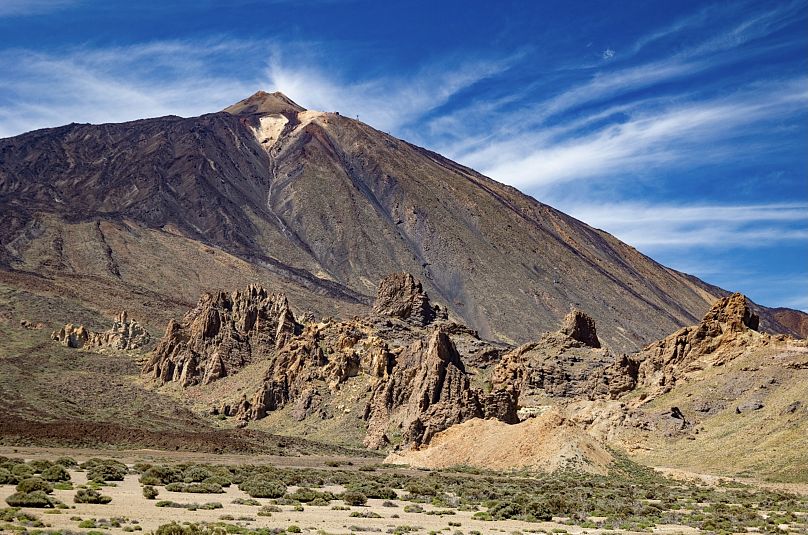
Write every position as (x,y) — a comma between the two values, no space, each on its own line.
(680,127)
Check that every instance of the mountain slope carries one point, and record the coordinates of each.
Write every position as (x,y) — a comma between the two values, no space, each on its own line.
(320,207)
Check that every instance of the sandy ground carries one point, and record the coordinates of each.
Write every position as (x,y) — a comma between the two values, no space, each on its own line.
(128,502)
(796,488)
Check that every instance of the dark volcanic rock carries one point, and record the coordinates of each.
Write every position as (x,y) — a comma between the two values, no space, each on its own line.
(749,406)
(581,327)
(401,296)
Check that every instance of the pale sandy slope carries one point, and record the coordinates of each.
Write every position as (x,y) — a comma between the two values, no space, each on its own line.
(546,442)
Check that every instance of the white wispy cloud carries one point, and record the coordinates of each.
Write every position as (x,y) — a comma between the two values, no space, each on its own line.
(643,139)
(657,225)
(186,78)
(389,102)
(118,84)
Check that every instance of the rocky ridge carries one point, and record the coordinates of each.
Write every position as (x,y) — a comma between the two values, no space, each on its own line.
(415,381)
(728,328)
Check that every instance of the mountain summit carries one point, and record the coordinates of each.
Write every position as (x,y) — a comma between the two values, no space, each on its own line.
(147,215)
(263,103)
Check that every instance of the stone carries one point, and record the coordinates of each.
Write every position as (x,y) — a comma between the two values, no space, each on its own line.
(725,330)
(749,406)
(579,326)
(399,295)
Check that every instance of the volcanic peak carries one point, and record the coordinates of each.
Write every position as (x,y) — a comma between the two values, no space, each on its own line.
(263,103)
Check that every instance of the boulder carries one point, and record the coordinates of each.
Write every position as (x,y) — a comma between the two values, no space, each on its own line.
(399,295)
(579,326)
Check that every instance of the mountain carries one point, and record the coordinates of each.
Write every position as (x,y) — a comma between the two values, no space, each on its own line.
(149,214)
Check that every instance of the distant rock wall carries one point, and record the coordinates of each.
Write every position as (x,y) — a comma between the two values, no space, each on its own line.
(125,334)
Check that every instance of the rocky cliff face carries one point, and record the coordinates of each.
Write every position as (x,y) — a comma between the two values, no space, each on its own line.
(402,355)
(224,333)
(558,365)
(401,296)
(125,334)
(727,328)
(428,391)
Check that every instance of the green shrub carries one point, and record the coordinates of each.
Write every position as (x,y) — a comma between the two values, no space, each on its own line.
(217,479)
(161,475)
(34,483)
(421,488)
(150,492)
(67,462)
(91,496)
(197,488)
(306,495)
(196,474)
(365,514)
(7,478)
(293,529)
(192,529)
(40,466)
(259,487)
(113,471)
(246,501)
(351,497)
(55,472)
(372,489)
(22,471)
(36,498)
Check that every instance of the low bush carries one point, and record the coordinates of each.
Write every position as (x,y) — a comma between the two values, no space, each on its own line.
(55,472)
(196,474)
(245,501)
(67,462)
(22,471)
(204,488)
(7,478)
(365,514)
(40,466)
(107,472)
(351,497)
(36,498)
(150,492)
(34,483)
(91,496)
(373,490)
(259,487)
(306,495)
